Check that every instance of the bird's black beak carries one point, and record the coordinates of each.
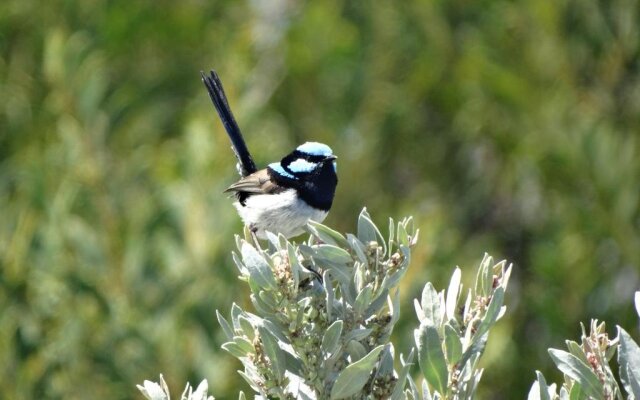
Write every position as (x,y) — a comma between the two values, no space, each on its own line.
(331,158)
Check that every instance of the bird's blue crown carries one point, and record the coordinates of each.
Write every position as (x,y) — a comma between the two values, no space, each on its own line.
(315,149)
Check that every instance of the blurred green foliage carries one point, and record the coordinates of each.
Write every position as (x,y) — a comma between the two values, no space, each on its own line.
(504,126)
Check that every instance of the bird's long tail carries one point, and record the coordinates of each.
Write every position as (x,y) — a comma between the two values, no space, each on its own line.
(246,165)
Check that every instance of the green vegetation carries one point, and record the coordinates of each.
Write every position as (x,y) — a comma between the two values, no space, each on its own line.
(508,127)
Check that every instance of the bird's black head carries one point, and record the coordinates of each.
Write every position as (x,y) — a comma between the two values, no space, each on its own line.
(311,170)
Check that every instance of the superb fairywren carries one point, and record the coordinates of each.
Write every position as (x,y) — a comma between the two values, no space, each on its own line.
(283,197)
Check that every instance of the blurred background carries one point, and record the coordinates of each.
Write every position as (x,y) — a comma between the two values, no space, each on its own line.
(509,127)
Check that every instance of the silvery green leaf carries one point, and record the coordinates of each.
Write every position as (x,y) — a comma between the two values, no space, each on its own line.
(341,274)
(610,352)
(576,350)
(329,297)
(534,392)
(299,388)
(199,394)
(452,344)
(392,280)
(505,276)
(426,393)
(331,338)
(487,279)
(356,350)
(542,386)
(246,327)
(333,254)
(430,356)
(475,381)
(262,307)
(275,327)
(629,360)
(347,291)
(255,384)
(564,394)
(293,363)
(452,293)
(236,311)
(368,231)
(154,391)
(359,277)
(394,307)
(576,392)
(414,388)
(274,352)
(467,303)
(226,328)
(375,305)
(244,344)
(241,268)
(403,236)
(362,300)
(294,264)
(358,334)
(483,270)
(358,247)
(385,366)
(259,269)
(398,390)
(268,298)
(493,310)
(475,350)
(326,234)
(241,396)
(391,233)
(573,367)
(273,241)
(419,311)
(431,305)
(235,349)
(351,380)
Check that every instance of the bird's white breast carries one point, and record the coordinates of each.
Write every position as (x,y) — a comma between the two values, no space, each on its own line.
(278,213)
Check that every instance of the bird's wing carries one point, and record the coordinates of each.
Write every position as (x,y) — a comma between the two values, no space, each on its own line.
(259,182)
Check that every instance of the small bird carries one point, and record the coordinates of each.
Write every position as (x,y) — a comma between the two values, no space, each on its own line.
(283,197)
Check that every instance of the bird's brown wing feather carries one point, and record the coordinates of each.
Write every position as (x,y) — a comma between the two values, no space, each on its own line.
(258,182)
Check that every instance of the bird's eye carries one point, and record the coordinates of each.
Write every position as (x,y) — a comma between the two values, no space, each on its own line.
(301,166)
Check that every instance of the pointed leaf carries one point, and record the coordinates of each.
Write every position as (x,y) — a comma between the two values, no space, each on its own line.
(452,293)
(368,231)
(273,351)
(226,328)
(431,357)
(452,344)
(431,305)
(259,270)
(334,254)
(629,360)
(398,390)
(573,367)
(326,234)
(353,378)
(493,310)
(331,338)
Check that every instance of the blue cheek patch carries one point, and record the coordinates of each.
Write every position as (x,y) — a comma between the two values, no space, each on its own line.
(302,166)
(315,149)
(277,168)
(335,167)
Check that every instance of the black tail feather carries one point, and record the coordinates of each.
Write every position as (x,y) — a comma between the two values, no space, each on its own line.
(219,99)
